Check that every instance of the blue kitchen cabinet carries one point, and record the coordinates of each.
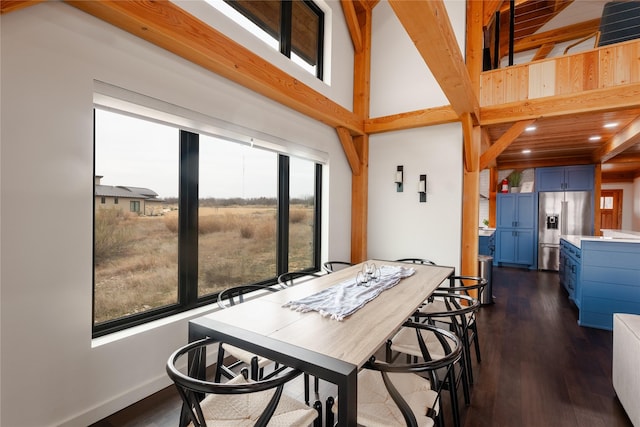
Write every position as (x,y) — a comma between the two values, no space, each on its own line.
(516,210)
(515,243)
(602,277)
(569,272)
(565,178)
(486,243)
(514,246)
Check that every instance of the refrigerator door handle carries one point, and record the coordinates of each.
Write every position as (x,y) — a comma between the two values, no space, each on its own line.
(563,217)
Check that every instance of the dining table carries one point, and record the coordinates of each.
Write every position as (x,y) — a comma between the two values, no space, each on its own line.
(329,349)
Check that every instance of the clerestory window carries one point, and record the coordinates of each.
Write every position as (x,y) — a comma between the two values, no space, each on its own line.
(294,27)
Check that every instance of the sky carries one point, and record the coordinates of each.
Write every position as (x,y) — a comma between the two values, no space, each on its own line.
(139,153)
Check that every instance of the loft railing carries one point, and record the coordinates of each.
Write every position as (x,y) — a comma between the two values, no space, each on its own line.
(604,67)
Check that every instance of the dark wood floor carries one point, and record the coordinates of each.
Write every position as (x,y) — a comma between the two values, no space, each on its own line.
(539,368)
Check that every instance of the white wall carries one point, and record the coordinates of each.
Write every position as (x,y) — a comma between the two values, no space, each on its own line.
(52,372)
(399,226)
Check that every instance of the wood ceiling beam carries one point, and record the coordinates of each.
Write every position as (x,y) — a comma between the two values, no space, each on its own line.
(543,51)
(411,120)
(489,156)
(169,27)
(349,149)
(471,148)
(360,143)
(606,99)
(559,35)
(351,16)
(625,158)
(627,137)
(428,25)
(7,6)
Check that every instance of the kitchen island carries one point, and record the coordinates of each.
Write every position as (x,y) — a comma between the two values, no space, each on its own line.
(601,276)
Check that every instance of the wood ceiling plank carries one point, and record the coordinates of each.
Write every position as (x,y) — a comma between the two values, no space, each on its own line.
(626,138)
(605,99)
(411,120)
(169,27)
(428,25)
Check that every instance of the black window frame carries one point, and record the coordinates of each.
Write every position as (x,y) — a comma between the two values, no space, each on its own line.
(188,238)
(284,35)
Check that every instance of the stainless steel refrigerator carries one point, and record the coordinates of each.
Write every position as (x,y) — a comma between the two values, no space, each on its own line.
(561,213)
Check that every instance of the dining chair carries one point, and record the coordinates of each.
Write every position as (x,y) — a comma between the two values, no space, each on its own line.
(227,298)
(406,394)
(417,261)
(464,285)
(452,315)
(290,278)
(331,266)
(238,402)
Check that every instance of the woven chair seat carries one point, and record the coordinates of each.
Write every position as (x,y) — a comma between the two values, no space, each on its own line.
(376,408)
(405,342)
(245,356)
(240,410)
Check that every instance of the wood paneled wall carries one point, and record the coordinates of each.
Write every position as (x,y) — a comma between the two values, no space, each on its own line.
(604,67)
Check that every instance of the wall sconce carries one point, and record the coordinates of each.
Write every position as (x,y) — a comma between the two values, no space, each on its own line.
(399,178)
(422,188)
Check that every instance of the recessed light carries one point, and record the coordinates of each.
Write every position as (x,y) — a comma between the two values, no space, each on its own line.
(611,125)
(530,128)
(595,138)
(527,151)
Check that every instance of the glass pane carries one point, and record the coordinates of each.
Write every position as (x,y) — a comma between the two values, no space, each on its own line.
(301,214)
(305,28)
(237,215)
(608,202)
(135,243)
(261,18)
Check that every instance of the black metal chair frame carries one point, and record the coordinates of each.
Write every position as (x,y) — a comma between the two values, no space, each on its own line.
(286,280)
(230,297)
(427,367)
(457,306)
(329,266)
(192,390)
(417,261)
(471,330)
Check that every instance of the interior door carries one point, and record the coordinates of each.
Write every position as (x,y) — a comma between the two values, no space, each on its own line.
(611,209)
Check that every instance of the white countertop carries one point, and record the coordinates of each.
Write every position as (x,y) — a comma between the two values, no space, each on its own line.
(576,240)
(486,231)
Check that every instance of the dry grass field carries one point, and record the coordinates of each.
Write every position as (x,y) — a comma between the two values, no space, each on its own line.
(136,257)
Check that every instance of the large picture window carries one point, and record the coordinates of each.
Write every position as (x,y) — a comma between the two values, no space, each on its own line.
(202,213)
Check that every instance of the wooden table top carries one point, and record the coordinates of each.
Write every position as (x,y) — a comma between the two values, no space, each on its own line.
(352,340)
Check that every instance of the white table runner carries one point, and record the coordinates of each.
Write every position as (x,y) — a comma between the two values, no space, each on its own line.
(344,299)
